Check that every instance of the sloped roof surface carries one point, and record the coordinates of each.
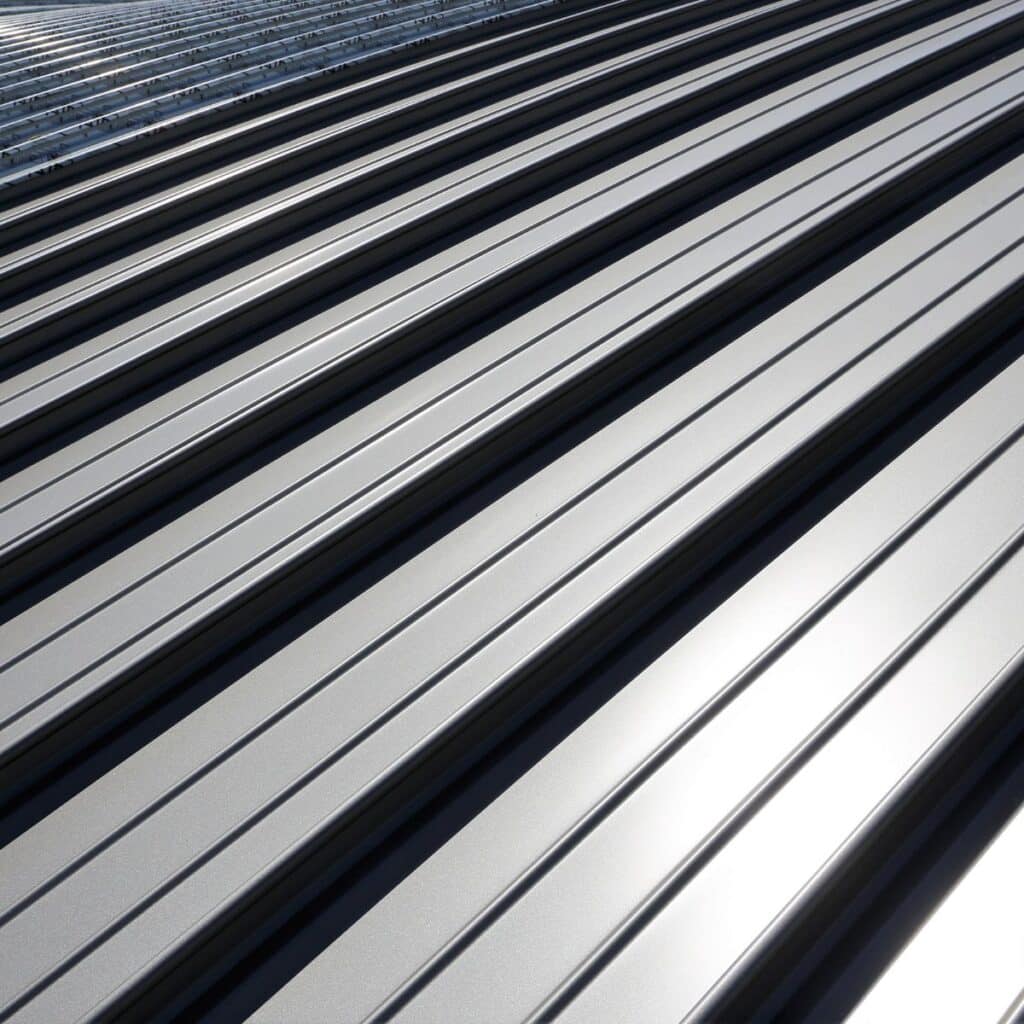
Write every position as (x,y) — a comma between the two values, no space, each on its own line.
(511,511)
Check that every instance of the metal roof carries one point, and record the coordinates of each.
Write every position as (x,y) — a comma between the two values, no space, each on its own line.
(520,526)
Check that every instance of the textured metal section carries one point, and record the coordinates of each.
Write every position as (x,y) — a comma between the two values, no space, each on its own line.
(525,526)
(81,83)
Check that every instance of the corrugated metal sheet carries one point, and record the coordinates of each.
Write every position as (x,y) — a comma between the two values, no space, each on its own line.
(75,84)
(525,527)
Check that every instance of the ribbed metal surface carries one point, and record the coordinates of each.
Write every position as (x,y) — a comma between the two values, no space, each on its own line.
(525,526)
(74,83)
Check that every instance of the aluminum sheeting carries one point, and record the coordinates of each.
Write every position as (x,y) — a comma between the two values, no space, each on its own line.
(526,529)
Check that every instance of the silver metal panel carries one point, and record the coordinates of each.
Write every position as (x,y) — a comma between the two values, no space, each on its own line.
(966,959)
(525,526)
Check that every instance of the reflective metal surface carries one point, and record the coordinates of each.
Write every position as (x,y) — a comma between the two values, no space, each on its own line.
(521,526)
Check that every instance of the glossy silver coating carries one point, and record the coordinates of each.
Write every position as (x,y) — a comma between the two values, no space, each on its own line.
(523,525)
(965,961)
